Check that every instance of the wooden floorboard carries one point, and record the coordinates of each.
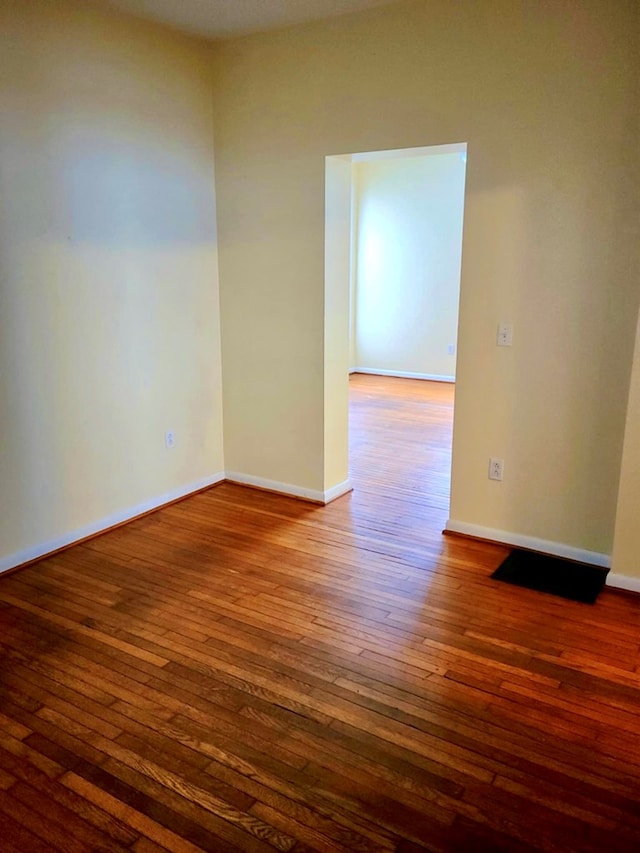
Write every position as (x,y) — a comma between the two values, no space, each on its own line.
(242,671)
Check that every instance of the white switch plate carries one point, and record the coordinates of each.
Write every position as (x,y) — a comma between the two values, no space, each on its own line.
(505,335)
(451,349)
(169,439)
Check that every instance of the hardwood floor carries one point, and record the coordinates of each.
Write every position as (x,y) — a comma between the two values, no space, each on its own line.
(243,671)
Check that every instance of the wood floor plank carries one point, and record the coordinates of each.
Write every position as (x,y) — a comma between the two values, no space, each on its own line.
(243,671)
(122,812)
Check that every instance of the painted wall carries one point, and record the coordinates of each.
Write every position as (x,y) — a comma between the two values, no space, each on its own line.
(353,270)
(626,548)
(545,94)
(337,284)
(410,214)
(108,269)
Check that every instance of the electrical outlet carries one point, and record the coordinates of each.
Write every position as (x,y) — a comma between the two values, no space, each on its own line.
(496,467)
(451,349)
(169,439)
(505,335)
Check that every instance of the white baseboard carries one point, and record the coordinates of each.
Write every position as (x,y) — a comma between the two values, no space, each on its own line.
(321,497)
(403,374)
(275,486)
(52,545)
(37,551)
(506,537)
(623,582)
(337,491)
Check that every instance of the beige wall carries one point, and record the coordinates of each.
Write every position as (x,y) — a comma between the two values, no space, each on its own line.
(108,270)
(544,92)
(410,213)
(353,270)
(337,283)
(108,282)
(626,548)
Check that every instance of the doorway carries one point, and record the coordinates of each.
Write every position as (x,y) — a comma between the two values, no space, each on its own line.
(393,247)
(400,433)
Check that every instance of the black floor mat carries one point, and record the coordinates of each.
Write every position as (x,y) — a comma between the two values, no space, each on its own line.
(575,581)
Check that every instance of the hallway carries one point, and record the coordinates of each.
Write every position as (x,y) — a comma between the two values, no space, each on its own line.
(400,450)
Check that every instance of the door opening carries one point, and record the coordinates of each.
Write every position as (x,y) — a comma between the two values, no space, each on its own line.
(394,242)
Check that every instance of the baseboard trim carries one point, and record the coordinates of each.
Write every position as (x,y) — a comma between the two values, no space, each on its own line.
(338,491)
(301,492)
(473,531)
(403,374)
(96,528)
(623,582)
(531,543)
(20,559)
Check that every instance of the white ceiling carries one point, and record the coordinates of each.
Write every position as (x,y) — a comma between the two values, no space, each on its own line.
(218,19)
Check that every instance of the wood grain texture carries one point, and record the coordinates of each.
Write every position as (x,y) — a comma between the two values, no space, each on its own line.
(242,671)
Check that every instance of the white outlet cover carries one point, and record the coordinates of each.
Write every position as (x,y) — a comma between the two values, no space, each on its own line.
(505,335)
(496,469)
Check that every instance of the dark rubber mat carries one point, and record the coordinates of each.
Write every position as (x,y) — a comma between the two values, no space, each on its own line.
(565,578)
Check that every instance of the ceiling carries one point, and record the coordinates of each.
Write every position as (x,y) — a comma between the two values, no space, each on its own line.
(218,19)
